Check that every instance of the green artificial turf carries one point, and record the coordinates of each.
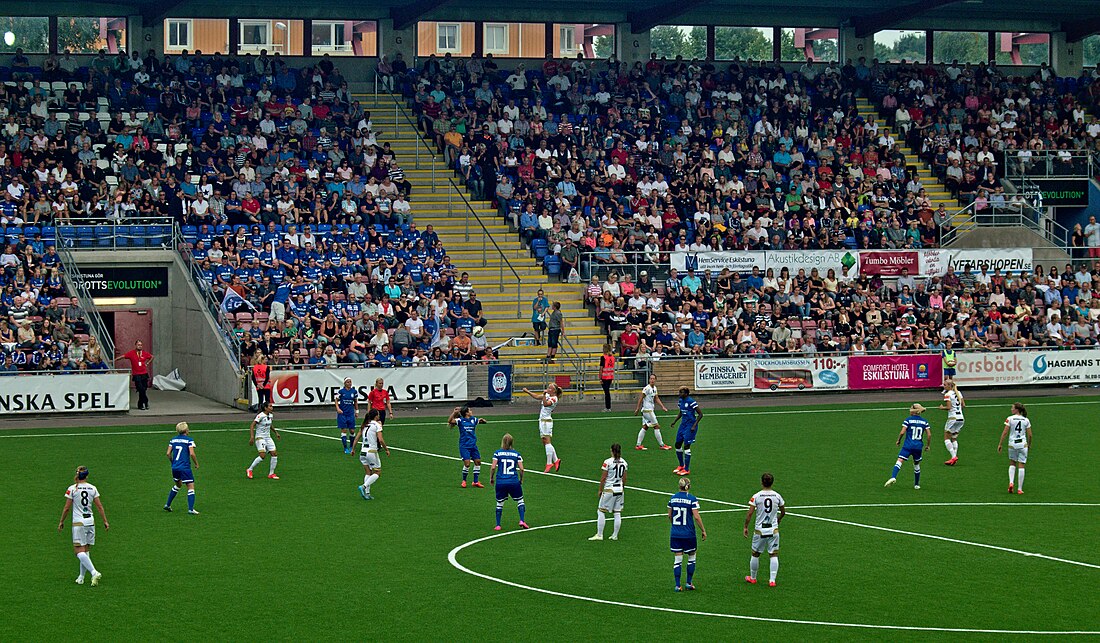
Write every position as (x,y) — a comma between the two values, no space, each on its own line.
(306,558)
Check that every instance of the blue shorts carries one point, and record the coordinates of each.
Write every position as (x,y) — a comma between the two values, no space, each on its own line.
(949,372)
(509,489)
(916,452)
(345,420)
(686,434)
(682,545)
(183,475)
(469,453)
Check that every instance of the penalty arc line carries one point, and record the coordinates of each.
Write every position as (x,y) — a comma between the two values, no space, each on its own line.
(849,523)
(452,558)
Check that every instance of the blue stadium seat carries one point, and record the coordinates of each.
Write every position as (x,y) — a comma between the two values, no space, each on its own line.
(552,265)
(123,236)
(103,235)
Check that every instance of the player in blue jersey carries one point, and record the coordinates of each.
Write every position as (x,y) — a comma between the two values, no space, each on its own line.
(464,419)
(506,473)
(181,453)
(683,513)
(689,417)
(917,434)
(347,408)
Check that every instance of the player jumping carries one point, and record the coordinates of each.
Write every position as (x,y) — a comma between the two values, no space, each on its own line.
(371,432)
(689,417)
(79,497)
(954,403)
(1018,430)
(464,419)
(646,400)
(549,401)
(509,482)
(915,430)
(768,507)
(181,453)
(259,434)
(683,513)
(612,483)
(347,408)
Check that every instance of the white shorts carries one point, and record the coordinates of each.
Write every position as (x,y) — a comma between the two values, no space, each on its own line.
(768,543)
(278,311)
(265,444)
(1017,454)
(370,460)
(611,502)
(649,418)
(83,535)
(953,426)
(546,428)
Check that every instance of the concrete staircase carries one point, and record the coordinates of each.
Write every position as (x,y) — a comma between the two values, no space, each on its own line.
(506,300)
(935,189)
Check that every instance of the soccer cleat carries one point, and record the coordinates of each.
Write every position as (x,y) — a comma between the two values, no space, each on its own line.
(596,537)
(1020,492)
(548,468)
(677,470)
(497,528)
(1011,487)
(951,462)
(463,485)
(750,580)
(684,472)
(890,482)
(640,448)
(79,580)
(557,465)
(363,491)
(192,512)
(248,472)
(677,589)
(689,587)
(272,476)
(523,525)
(771,583)
(917,487)
(665,447)
(370,497)
(95,579)
(479,485)
(612,537)
(167,508)
(347,451)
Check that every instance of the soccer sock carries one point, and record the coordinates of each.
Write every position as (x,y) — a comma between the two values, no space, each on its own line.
(477,472)
(657,434)
(1020,479)
(897,468)
(687,458)
(680,456)
(775,568)
(1011,474)
(465,472)
(80,576)
(344,440)
(691,567)
(916,474)
(954,448)
(274,462)
(365,478)
(172,495)
(86,561)
(754,566)
(549,454)
(522,509)
(601,520)
(679,558)
(190,500)
(255,463)
(371,479)
(618,523)
(641,436)
(950,449)
(500,510)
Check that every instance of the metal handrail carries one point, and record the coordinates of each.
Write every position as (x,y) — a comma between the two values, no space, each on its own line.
(486,236)
(213,306)
(1019,214)
(58,371)
(85,299)
(398,110)
(1051,164)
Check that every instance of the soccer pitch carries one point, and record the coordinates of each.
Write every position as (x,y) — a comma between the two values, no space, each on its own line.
(305,557)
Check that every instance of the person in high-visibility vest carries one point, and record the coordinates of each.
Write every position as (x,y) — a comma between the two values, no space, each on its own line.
(949,362)
(607,375)
(261,378)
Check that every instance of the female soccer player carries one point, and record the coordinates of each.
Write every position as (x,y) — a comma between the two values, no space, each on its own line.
(464,419)
(347,408)
(79,497)
(689,417)
(612,483)
(371,432)
(768,507)
(1018,430)
(549,400)
(379,398)
(181,453)
(683,514)
(259,434)
(954,404)
(915,430)
(646,401)
(509,481)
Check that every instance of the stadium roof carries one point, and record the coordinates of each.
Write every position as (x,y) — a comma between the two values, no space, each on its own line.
(1075,17)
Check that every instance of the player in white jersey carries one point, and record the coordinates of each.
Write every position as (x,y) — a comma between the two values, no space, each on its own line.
(768,507)
(371,434)
(1018,431)
(646,401)
(79,498)
(259,434)
(549,401)
(612,483)
(954,404)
